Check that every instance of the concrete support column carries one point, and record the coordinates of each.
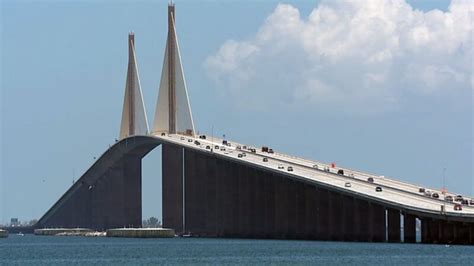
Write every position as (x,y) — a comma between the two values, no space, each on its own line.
(393,225)
(471,234)
(409,228)
(311,211)
(172,185)
(447,232)
(425,231)
(323,214)
(335,216)
(436,229)
(362,221)
(377,215)
(348,220)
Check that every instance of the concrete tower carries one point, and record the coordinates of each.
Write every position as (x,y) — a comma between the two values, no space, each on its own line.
(173,112)
(134,120)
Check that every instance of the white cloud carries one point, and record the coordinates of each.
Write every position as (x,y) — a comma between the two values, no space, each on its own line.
(362,54)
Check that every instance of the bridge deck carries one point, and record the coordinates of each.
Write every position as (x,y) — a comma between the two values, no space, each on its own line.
(395,193)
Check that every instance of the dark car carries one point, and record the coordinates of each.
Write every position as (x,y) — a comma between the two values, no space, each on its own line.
(197,142)
(435,195)
(370,180)
(471,202)
(421,190)
(458,198)
(208,147)
(224,142)
(340,172)
(265,159)
(240,155)
(457,207)
(465,202)
(202,137)
(253,150)
(163,134)
(216,147)
(448,198)
(190,140)
(378,189)
(290,169)
(270,150)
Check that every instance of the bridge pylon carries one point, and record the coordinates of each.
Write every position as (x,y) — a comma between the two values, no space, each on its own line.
(134,120)
(173,111)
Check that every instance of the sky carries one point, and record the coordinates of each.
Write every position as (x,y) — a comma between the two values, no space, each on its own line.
(380,86)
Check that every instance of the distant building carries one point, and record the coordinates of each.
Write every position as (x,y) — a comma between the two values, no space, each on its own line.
(14,222)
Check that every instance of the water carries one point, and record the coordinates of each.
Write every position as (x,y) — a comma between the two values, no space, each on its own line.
(45,250)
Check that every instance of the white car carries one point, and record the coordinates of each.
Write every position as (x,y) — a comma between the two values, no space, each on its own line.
(280,166)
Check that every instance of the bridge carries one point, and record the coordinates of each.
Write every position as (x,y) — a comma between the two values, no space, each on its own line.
(215,187)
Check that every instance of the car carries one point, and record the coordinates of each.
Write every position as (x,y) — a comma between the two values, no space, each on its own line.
(197,142)
(290,169)
(280,166)
(326,169)
(465,202)
(228,144)
(457,207)
(202,137)
(265,159)
(347,184)
(182,138)
(471,202)
(244,154)
(224,142)
(421,190)
(226,152)
(238,147)
(253,150)
(222,149)
(458,198)
(370,180)
(264,149)
(240,155)
(270,150)
(163,134)
(435,195)
(315,166)
(190,140)
(216,147)
(378,189)
(244,147)
(428,193)
(340,172)
(448,198)
(208,147)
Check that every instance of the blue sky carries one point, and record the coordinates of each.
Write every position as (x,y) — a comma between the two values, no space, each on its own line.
(391,95)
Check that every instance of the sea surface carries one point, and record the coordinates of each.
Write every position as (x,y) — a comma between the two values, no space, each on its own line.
(69,250)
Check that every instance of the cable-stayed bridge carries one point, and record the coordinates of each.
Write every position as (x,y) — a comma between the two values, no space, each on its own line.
(222,188)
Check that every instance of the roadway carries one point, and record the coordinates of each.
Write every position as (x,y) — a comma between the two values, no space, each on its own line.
(393,192)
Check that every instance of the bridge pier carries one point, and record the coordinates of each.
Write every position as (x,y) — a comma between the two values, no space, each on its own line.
(409,228)
(377,227)
(311,211)
(172,185)
(335,222)
(393,225)
(323,217)
(348,218)
(361,220)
